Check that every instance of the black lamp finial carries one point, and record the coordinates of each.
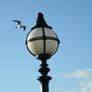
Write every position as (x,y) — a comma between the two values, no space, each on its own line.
(40,22)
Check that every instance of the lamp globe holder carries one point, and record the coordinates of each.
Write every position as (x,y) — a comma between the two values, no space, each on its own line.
(42,41)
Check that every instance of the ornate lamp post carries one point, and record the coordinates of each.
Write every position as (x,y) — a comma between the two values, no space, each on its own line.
(42,42)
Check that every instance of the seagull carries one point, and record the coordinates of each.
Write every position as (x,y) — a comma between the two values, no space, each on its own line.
(19,25)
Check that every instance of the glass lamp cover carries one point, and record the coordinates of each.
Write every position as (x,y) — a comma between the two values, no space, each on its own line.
(35,41)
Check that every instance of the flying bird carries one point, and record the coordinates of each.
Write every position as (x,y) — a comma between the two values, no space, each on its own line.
(19,25)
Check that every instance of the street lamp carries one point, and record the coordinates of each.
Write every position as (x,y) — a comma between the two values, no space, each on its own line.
(42,42)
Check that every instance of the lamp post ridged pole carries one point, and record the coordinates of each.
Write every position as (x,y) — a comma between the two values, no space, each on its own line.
(43,43)
(44,78)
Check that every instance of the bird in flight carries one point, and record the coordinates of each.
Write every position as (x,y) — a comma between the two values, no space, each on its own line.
(19,25)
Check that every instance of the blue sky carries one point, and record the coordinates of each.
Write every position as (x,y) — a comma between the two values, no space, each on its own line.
(71,66)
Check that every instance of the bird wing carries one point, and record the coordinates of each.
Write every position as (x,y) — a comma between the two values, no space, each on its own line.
(24,27)
(19,22)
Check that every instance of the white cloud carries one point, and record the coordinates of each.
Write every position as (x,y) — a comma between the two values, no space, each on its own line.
(73,90)
(84,83)
(59,89)
(83,87)
(83,74)
(86,86)
(84,90)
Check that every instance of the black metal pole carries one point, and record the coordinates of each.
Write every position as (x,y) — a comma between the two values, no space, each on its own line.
(44,78)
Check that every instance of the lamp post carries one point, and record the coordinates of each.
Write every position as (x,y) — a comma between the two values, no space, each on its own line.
(42,43)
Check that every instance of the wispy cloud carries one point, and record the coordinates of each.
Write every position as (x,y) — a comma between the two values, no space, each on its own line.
(85,80)
(74,90)
(86,86)
(82,74)
(59,89)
